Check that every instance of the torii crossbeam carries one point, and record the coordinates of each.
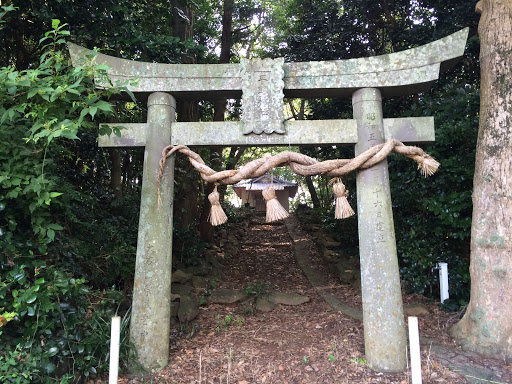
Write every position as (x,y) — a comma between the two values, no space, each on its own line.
(262,84)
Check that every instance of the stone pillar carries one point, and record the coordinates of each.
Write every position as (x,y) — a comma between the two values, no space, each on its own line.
(383,319)
(150,321)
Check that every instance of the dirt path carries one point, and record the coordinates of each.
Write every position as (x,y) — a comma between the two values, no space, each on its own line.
(310,343)
(471,366)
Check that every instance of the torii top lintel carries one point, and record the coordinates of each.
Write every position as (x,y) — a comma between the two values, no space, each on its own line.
(396,74)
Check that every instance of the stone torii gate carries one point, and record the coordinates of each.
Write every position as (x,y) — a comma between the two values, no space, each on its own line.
(262,84)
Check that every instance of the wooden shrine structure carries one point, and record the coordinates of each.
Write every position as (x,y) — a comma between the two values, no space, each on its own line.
(250,191)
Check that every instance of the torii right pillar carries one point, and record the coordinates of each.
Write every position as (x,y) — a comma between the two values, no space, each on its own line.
(385,340)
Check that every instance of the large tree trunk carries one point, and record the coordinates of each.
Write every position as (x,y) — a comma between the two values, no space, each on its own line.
(115,170)
(312,192)
(115,173)
(299,115)
(205,228)
(311,187)
(487,325)
(186,194)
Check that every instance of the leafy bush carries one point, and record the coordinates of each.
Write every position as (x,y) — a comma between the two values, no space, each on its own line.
(14,367)
(40,107)
(61,328)
(187,246)
(433,215)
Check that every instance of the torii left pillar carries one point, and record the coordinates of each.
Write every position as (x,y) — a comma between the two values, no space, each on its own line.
(151,308)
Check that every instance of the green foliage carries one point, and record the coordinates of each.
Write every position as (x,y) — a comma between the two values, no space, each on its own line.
(45,110)
(187,247)
(258,289)
(61,328)
(58,328)
(132,29)
(5,10)
(99,241)
(358,360)
(8,316)
(235,215)
(39,107)
(433,215)
(224,323)
(14,367)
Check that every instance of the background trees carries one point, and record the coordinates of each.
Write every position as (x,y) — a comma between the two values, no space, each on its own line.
(69,210)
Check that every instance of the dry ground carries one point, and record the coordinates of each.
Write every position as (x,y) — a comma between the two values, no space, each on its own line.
(309,344)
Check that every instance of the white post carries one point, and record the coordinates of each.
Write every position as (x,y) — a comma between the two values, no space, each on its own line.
(414,347)
(443,281)
(115,334)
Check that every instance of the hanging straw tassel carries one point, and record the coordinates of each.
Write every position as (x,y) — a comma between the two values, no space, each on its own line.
(343,208)
(275,211)
(217,215)
(428,165)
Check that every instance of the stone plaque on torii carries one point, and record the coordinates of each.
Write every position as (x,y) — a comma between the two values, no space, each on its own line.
(262,84)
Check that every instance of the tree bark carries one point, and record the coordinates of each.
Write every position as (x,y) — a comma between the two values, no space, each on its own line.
(312,192)
(309,181)
(487,325)
(311,187)
(235,153)
(186,195)
(115,172)
(205,228)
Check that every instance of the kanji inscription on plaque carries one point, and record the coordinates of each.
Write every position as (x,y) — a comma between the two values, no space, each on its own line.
(262,96)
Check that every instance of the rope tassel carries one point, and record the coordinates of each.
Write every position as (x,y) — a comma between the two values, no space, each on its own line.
(343,208)
(217,215)
(428,165)
(275,211)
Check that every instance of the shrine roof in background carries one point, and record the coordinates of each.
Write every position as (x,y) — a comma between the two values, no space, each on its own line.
(263,182)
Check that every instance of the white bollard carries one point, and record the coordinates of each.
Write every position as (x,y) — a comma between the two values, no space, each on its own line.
(115,334)
(414,348)
(443,281)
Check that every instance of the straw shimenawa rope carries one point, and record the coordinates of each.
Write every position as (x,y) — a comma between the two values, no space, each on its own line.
(303,165)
